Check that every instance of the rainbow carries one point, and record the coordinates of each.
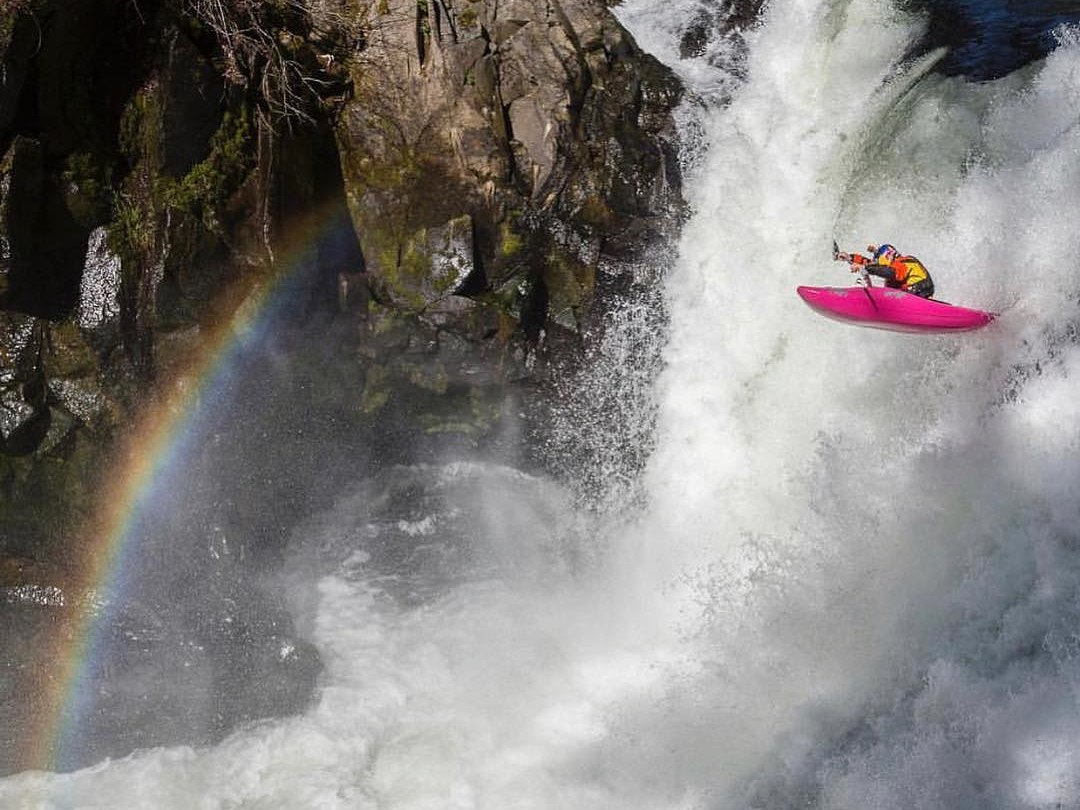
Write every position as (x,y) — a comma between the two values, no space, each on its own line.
(151,454)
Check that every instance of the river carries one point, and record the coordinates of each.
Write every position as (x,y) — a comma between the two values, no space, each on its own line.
(847,576)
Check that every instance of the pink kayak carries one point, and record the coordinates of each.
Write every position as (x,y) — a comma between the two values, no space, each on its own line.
(886,308)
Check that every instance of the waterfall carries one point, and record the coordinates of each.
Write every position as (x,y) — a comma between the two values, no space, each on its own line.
(845,577)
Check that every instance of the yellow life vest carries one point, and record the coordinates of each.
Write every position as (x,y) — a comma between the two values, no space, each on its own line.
(914,269)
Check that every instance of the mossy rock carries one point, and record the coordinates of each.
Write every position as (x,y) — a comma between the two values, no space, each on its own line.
(66,352)
(414,270)
(376,391)
(20,343)
(428,377)
(571,285)
(87,189)
(44,497)
(206,188)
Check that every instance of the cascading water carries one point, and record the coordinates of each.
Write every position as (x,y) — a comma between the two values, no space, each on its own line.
(853,582)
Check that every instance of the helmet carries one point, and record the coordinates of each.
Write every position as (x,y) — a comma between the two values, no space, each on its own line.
(884,249)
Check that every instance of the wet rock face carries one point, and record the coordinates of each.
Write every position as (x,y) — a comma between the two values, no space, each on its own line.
(542,122)
(99,288)
(712,20)
(467,167)
(481,159)
(24,416)
(715,31)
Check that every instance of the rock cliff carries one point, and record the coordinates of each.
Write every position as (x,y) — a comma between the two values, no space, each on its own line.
(477,160)
(440,182)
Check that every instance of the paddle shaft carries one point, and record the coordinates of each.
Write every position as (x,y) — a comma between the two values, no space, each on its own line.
(863,276)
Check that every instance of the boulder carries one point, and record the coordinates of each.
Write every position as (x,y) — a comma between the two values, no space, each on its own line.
(24,416)
(99,290)
(543,123)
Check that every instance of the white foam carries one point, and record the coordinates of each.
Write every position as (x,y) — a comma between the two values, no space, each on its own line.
(855,582)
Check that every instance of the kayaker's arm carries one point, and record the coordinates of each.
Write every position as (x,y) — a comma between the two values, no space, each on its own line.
(880,270)
(860,262)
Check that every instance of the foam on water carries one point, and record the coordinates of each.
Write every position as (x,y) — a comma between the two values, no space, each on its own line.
(855,581)
(859,520)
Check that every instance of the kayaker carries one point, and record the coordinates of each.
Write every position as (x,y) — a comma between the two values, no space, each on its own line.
(900,272)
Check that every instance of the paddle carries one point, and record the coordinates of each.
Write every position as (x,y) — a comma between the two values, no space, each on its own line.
(863,275)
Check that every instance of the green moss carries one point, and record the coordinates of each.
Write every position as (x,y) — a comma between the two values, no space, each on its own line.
(132,229)
(467,19)
(423,14)
(376,391)
(396,195)
(434,425)
(66,352)
(506,299)
(206,188)
(596,212)
(89,182)
(397,276)
(486,409)
(415,263)
(403,263)
(570,284)
(445,282)
(510,241)
(203,192)
(44,497)
(382,320)
(400,170)
(140,132)
(429,379)
(474,419)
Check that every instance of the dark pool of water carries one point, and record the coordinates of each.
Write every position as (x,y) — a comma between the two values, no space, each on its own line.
(990,38)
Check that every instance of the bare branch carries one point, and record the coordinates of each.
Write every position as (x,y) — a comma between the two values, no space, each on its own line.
(270,46)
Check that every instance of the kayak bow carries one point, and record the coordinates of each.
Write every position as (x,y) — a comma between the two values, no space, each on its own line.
(894,310)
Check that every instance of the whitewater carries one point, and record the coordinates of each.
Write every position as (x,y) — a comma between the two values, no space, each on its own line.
(848,576)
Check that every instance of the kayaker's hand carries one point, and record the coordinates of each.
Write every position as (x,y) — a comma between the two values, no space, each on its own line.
(843,257)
